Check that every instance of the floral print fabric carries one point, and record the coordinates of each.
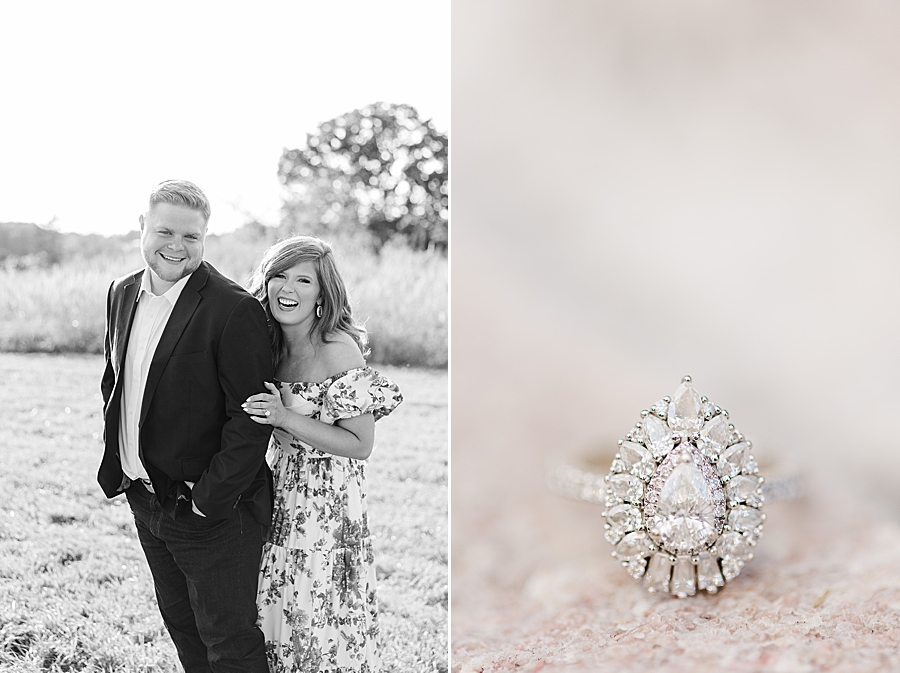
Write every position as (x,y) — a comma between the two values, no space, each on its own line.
(316,597)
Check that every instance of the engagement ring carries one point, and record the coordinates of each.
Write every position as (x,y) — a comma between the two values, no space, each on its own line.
(683,496)
(268,413)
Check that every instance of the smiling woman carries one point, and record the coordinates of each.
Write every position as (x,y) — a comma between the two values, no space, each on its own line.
(302,270)
(316,599)
(294,294)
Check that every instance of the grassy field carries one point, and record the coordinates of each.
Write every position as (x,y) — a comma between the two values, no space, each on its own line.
(400,294)
(75,591)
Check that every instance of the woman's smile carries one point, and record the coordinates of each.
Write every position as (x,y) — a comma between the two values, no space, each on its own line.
(293,294)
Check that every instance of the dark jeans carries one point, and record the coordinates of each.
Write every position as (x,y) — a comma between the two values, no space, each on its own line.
(205,572)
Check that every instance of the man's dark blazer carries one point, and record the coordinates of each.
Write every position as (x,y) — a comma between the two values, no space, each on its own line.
(213,354)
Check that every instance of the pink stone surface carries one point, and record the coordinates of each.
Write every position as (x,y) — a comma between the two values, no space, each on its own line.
(822,593)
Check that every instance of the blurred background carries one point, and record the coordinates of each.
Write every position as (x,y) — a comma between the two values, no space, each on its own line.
(647,190)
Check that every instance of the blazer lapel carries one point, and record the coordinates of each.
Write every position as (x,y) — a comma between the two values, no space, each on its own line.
(181,315)
(124,318)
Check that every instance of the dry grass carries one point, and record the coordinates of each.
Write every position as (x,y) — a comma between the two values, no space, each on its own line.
(75,591)
(401,295)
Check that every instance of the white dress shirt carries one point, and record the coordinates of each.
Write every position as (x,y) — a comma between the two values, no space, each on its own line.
(150,320)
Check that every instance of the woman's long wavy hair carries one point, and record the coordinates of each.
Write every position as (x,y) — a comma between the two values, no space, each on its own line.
(336,313)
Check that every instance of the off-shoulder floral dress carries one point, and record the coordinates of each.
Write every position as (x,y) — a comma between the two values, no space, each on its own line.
(316,595)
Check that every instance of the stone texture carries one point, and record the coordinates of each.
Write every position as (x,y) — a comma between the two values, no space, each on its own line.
(532,592)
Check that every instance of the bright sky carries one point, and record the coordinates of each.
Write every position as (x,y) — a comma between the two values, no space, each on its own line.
(102,100)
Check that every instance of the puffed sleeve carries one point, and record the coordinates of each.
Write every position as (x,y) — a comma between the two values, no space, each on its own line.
(357,392)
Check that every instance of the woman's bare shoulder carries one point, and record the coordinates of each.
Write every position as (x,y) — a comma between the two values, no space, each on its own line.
(340,353)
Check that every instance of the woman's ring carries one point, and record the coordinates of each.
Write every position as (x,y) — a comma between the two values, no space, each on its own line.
(683,496)
(268,413)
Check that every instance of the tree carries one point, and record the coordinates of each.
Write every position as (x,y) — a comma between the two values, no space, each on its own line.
(27,245)
(379,168)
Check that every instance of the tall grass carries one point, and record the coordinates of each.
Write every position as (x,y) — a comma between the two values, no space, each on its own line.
(400,294)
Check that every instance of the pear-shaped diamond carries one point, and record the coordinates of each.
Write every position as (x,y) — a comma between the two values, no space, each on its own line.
(659,438)
(733,459)
(714,437)
(745,519)
(733,545)
(632,547)
(684,413)
(744,489)
(686,514)
(622,519)
(638,460)
(626,487)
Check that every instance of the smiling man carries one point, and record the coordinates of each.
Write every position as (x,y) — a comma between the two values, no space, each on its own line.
(184,347)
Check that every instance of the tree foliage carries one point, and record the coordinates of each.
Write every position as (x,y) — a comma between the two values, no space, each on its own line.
(380,168)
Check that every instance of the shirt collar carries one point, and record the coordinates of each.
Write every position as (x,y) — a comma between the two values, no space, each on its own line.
(171,294)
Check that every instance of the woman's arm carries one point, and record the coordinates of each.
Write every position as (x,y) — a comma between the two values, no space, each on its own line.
(350,438)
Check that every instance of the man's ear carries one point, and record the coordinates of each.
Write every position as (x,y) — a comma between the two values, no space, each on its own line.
(141,220)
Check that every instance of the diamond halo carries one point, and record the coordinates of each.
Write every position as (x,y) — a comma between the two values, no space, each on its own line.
(684,497)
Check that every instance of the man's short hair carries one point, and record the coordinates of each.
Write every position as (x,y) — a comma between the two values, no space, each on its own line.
(181,193)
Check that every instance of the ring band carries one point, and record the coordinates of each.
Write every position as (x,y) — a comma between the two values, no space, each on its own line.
(683,496)
(579,479)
